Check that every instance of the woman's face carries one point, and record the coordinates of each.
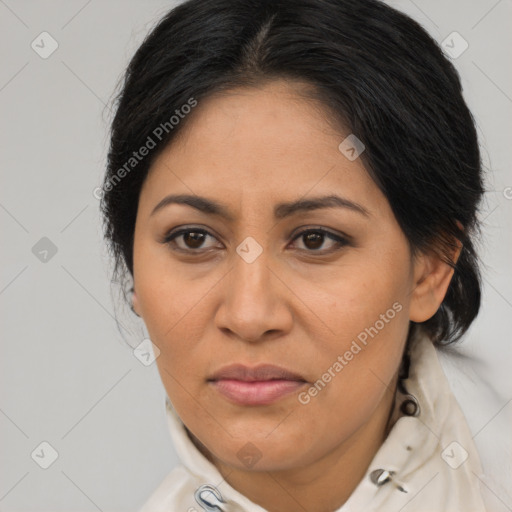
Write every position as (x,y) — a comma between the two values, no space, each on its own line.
(330,308)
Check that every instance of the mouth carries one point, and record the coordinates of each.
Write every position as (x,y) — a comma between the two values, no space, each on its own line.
(262,385)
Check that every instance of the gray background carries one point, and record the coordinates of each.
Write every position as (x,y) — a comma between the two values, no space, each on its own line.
(67,375)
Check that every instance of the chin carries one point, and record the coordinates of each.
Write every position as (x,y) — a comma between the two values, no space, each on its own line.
(250,457)
(261,449)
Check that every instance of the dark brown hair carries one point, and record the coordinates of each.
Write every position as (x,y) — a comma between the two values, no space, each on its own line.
(378,73)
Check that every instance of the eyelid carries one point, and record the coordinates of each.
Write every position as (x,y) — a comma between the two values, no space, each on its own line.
(315,228)
(340,239)
(171,235)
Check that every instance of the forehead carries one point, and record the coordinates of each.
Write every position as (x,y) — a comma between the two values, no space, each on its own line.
(254,143)
(278,112)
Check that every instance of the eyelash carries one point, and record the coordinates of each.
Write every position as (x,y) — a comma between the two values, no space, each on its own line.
(340,240)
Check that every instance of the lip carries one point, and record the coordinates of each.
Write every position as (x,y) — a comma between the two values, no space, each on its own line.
(258,373)
(261,385)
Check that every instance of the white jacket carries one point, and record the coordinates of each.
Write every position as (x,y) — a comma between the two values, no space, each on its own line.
(428,462)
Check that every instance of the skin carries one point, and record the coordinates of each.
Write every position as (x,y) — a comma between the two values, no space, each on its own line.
(299,305)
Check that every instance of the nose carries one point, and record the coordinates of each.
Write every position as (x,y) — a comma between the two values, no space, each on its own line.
(255,301)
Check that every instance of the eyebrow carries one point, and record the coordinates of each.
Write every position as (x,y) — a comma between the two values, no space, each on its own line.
(281,210)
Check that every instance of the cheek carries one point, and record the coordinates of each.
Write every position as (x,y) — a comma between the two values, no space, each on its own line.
(176,311)
(366,310)
(173,313)
(367,318)
(163,293)
(365,291)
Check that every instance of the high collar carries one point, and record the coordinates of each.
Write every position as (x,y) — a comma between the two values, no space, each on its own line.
(427,463)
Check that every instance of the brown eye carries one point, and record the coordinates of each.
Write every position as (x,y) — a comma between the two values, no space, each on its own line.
(193,239)
(188,239)
(314,239)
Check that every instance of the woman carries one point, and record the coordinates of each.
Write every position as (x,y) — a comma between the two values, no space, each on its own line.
(292,189)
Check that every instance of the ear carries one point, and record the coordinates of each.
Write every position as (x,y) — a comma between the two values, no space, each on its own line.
(135,304)
(432,277)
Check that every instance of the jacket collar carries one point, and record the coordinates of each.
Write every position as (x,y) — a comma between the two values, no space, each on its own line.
(427,462)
